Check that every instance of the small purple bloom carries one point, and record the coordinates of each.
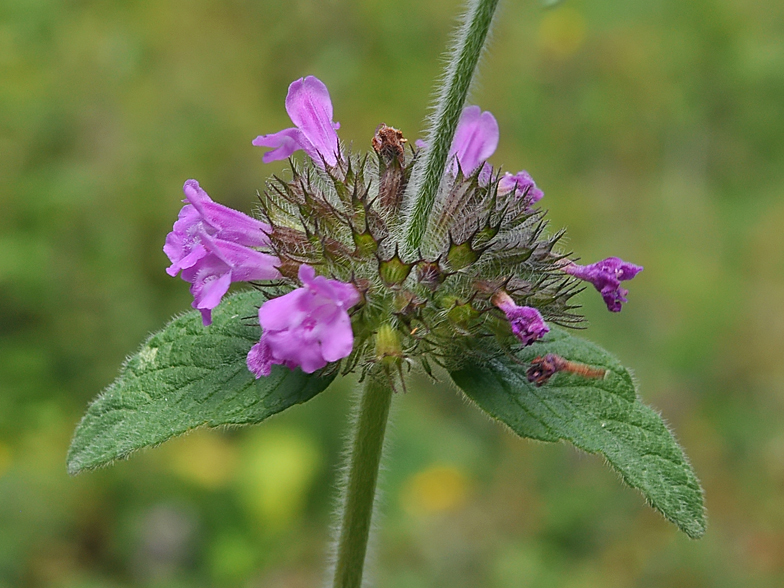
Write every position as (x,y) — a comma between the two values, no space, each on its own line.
(523,185)
(606,276)
(212,245)
(306,328)
(310,109)
(476,139)
(526,322)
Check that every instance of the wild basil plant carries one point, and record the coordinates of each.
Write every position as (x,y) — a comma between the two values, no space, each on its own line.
(413,255)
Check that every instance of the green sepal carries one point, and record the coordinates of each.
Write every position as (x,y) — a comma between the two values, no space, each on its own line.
(186,376)
(597,415)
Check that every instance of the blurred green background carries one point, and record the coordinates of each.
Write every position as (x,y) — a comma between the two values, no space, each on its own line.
(655,128)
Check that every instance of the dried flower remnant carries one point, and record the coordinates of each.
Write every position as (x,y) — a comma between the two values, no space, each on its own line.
(544,368)
(606,276)
(388,142)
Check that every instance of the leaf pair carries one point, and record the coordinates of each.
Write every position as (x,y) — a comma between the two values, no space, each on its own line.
(186,376)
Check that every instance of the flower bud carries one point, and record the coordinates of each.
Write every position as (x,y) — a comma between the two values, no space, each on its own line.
(388,349)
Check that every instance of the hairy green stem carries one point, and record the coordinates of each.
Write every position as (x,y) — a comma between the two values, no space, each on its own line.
(451,98)
(360,491)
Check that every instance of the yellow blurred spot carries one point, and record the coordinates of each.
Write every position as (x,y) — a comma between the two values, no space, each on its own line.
(562,32)
(434,490)
(204,458)
(278,468)
(5,458)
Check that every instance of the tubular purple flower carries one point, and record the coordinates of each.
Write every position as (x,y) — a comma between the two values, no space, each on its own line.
(523,186)
(306,328)
(202,215)
(606,276)
(310,109)
(526,322)
(211,245)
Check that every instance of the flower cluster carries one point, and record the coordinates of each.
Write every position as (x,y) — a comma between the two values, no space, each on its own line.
(486,277)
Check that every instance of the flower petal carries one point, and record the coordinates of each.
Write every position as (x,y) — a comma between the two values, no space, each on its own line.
(285,143)
(310,108)
(338,340)
(522,184)
(246,264)
(229,224)
(281,312)
(259,360)
(476,138)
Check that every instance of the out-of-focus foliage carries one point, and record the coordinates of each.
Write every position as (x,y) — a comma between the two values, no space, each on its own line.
(656,130)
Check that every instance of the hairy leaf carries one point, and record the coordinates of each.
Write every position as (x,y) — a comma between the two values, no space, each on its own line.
(598,415)
(183,377)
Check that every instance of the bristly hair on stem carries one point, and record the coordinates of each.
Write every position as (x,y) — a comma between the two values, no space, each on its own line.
(461,66)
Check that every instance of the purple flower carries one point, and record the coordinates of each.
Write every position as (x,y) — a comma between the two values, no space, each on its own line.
(306,328)
(526,322)
(310,109)
(476,139)
(212,245)
(606,276)
(523,185)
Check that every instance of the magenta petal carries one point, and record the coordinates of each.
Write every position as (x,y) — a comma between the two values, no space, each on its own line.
(345,295)
(311,360)
(229,224)
(306,274)
(526,322)
(278,313)
(476,138)
(210,280)
(196,253)
(213,290)
(211,245)
(284,142)
(296,348)
(246,264)
(259,360)
(339,339)
(182,246)
(181,253)
(523,186)
(310,108)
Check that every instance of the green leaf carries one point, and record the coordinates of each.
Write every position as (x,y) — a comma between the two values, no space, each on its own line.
(597,415)
(183,377)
